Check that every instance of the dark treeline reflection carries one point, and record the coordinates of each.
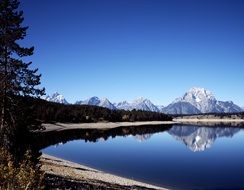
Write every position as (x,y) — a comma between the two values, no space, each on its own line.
(43,140)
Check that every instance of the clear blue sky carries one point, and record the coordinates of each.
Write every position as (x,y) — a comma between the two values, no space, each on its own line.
(124,49)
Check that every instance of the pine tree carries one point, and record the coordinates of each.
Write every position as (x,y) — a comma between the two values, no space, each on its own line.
(16,77)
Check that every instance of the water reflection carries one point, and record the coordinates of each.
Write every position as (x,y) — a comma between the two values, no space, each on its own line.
(141,133)
(144,137)
(196,138)
(200,138)
(160,159)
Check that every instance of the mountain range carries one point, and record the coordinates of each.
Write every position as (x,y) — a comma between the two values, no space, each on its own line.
(194,101)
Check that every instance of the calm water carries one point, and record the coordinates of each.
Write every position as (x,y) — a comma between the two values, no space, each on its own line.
(182,157)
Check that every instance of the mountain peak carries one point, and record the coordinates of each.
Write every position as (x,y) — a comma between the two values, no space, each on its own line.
(195,88)
(203,100)
(104,99)
(93,98)
(199,94)
(56,97)
(95,101)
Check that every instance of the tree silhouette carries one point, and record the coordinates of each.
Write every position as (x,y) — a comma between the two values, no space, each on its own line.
(16,77)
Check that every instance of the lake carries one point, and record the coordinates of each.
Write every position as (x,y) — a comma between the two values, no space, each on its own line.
(180,157)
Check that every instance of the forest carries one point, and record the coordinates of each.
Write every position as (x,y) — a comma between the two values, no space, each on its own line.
(49,112)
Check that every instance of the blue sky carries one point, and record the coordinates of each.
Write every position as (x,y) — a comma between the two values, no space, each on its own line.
(125,49)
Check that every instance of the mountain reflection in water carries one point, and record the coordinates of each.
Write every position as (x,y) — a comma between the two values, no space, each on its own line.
(200,138)
(194,137)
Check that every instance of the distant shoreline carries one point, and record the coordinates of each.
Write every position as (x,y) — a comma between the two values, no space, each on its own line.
(51,127)
(100,125)
(182,120)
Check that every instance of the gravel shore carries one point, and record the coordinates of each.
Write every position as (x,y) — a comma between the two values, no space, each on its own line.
(63,174)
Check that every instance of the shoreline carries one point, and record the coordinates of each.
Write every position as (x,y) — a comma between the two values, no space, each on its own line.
(67,174)
(182,120)
(49,127)
(80,174)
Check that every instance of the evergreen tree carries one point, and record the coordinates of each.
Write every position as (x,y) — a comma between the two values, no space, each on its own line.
(16,77)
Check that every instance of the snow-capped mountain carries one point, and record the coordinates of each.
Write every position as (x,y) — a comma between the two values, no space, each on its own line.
(138,104)
(203,100)
(56,97)
(194,101)
(95,101)
(200,138)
